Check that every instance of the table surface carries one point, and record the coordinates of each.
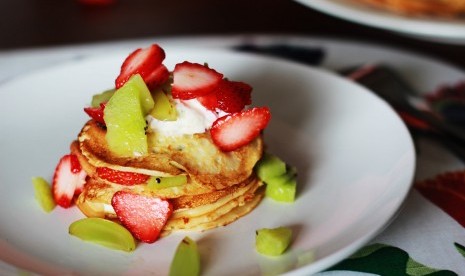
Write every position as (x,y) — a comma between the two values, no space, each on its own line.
(44,23)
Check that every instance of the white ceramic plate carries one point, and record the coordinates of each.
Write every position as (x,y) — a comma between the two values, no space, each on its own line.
(451,30)
(354,156)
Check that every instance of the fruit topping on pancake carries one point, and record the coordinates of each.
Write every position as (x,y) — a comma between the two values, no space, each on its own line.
(193,80)
(143,216)
(68,180)
(145,62)
(187,137)
(167,151)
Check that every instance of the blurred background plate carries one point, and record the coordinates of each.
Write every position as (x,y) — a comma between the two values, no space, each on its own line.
(449,30)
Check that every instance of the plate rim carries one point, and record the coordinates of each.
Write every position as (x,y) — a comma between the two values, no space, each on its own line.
(422,27)
(342,253)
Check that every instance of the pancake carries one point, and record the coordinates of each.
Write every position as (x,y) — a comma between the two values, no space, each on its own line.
(191,218)
(221,186)
(94,147)
(190,188)
(231,216)
(195,155)
(199,212)
(95,199)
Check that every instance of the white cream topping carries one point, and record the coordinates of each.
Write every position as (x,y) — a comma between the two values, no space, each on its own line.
(193,118)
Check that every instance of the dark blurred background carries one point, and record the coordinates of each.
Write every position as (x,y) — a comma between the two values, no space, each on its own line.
(43,23)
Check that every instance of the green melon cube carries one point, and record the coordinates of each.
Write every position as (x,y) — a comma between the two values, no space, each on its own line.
(155,183)
(43,194)
(146,98)
(273,241)
(103,232)
(102,97)
(270,166)
(124,117)
(282,188)
(186,261)
(164,109)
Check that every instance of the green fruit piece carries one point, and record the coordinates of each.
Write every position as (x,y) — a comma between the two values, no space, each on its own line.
(270,166)
(282,188)
(163,110)
(155,183)
(124,117)
(167,85)
(104,232)
(146,99)
(273,242)
(102,97)
(43,194)
(186,261)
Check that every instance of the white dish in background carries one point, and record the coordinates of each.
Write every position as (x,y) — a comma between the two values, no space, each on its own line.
(448,30)
(354,156)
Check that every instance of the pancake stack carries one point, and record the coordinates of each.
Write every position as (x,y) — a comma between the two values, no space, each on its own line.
(221,186)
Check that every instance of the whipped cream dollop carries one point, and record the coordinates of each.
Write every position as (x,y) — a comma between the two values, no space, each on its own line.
(193,118)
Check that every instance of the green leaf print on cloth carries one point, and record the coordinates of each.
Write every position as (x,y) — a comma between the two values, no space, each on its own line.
(386,260)
(460,248)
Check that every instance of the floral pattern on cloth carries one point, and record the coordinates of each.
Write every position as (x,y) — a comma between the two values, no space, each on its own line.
(381,259)
(448,101)
(446,191)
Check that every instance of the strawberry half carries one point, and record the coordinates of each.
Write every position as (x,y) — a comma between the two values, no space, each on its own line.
(96,113)
(143,216)
(68,180)
(158,77)
(192,80)
(209,101)
(120,177)
(230,97)
(233,96)
(235,130)
(141,61)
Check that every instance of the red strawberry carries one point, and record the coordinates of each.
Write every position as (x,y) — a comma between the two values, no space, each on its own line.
(96,113)
(209,101)
(233,96)
(192,80)
(230,96)
(235,130)
(67,180)
(143,216)
(141,61)
(120,177)
(158,76)
(76,168)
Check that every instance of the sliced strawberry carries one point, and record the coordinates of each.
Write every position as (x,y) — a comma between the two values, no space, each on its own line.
(143,216)
(141,61)
(209,101)
(120,177)
(157,77)
(233,96)
(68,180)
(75,165)
(96,113)
(192,80)
(235,130)
(230,97)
